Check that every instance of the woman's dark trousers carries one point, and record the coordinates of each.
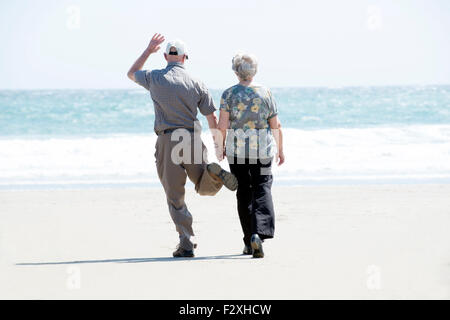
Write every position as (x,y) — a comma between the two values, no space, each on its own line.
(254,197)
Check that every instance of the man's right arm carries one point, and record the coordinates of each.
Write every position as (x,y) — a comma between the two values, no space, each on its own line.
(153,47)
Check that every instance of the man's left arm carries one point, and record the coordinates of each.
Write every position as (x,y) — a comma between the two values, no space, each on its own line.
(153,47)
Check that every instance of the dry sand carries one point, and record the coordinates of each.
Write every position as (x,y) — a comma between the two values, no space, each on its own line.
(344,242)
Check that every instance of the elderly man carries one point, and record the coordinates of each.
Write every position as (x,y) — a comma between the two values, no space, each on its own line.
(176,97)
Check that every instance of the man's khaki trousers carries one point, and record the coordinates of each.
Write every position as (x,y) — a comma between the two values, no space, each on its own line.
(176,160)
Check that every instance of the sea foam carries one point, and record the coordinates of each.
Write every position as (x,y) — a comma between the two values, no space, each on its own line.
(359,155)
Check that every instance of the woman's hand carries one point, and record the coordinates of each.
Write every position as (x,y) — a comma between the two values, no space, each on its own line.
(280,158)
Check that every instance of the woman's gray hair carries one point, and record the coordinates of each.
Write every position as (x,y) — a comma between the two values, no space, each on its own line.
(245,65)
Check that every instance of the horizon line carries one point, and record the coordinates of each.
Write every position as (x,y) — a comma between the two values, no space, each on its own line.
(273,87)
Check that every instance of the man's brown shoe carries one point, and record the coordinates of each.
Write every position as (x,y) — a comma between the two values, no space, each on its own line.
(228,179)
(183,253)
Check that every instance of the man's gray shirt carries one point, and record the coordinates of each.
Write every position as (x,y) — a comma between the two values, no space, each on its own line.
(176,96)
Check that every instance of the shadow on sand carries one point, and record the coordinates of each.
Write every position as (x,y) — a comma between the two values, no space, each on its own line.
(137,260)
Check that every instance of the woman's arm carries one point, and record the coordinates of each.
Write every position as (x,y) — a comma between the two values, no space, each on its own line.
(275,126)
(221,135)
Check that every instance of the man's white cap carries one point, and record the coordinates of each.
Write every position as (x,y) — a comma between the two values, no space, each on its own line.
(179,46)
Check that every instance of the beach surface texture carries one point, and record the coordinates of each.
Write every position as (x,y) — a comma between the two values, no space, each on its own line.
(344,242)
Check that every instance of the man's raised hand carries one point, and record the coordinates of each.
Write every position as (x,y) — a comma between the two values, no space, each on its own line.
(154,44)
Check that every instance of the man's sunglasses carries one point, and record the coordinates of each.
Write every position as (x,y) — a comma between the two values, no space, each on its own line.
(175,53)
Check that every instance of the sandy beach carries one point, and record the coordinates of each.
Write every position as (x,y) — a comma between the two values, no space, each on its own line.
(343,242)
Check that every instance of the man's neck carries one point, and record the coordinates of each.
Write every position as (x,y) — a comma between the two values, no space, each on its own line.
(175,63)
(174,59)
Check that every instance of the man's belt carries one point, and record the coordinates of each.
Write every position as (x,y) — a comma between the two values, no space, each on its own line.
(172,130)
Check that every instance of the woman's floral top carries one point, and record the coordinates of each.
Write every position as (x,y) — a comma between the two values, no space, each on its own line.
(249,134)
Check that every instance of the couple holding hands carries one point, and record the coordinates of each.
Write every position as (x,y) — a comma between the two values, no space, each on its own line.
(248,134)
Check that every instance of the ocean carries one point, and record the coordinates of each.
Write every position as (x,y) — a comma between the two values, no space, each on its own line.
(104,138)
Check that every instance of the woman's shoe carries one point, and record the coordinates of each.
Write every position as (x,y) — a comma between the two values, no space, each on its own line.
(228,179)
(256,244)
(247,250)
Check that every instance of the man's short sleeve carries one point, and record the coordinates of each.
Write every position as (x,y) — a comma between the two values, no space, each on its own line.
(224,102)
(206,103)
(143,78)
(273,109)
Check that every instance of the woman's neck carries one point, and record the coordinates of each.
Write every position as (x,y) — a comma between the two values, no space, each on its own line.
(245,83)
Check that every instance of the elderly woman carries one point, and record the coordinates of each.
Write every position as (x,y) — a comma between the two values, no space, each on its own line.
(251,132)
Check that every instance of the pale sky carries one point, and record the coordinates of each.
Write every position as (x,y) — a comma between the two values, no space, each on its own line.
(298,43)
